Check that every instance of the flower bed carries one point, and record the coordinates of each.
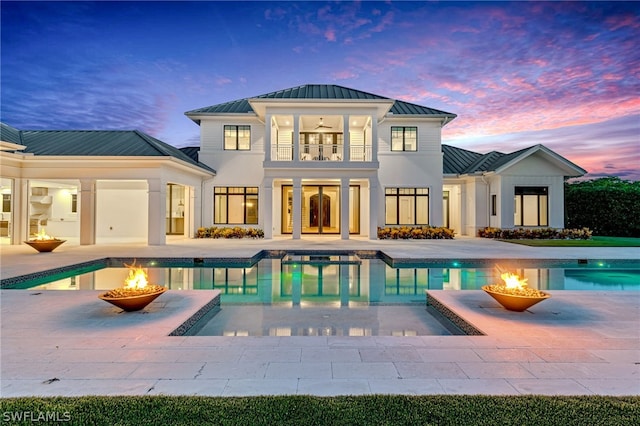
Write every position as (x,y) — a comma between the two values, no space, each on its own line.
(535,234)
(415,233)
(235,232)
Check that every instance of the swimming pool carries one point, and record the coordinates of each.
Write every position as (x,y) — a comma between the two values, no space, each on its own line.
(338,278)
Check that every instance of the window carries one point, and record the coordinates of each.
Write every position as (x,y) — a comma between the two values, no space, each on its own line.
(407,206)
(494,204)
(404,138)
(74,203)
(237,138)
(531,206)
(235,205)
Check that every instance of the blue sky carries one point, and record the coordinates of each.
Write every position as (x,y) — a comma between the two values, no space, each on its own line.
(564,74)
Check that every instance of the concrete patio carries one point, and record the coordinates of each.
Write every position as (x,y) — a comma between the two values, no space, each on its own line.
(71,343)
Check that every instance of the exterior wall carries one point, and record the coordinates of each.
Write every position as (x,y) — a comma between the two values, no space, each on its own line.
(534,170)
(418,169)
(476,195)
(121,211)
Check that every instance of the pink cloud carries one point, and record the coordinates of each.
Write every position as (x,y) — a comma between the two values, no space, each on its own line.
(344,75)
(330,34)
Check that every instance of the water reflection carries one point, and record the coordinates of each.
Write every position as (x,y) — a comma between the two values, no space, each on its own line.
(272,281)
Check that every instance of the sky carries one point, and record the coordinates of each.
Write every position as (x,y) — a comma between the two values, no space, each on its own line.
(562,74)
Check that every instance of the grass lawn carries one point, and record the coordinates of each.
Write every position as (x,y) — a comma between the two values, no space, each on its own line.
(593,242)
(340,410)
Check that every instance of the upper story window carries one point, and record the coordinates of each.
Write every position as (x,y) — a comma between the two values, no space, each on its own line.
(237,138)
(404,138)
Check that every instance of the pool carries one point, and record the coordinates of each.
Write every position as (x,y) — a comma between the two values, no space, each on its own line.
(332,293)
(336,278)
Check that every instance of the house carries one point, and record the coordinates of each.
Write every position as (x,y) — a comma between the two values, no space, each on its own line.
(97,186)
(326,159)
(308,160)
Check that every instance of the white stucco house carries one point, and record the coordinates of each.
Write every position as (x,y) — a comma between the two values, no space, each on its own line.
(308,160)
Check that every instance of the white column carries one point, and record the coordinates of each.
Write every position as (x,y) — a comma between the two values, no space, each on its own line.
(344,208)
(296,137)
(20,207)
(374,204)
(87,211)
(297,208)
(157,229)
(374,138)
(266,207)
(346,138)
(267,137)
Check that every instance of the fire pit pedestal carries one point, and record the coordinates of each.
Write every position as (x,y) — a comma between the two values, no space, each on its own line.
(514,302)
(132,303)
(44,246)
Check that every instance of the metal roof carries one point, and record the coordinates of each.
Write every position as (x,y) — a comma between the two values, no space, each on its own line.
(457,160)
(191,151)
(319,91)
(10,134)
(108,143)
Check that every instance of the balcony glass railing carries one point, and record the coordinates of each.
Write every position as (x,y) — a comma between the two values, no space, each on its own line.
(320,152)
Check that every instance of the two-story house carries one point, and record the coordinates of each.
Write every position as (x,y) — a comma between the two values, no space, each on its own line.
(309,160)
(326,159)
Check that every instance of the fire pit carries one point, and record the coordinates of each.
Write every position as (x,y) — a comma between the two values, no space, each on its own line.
(44,243)
(515,294)
(136,293)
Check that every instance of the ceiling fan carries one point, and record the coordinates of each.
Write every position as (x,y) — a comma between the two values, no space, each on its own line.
(321,125)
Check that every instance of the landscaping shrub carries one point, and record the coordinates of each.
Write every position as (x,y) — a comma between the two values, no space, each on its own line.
(609,206)
(225,232)
(415,233)
(535,234)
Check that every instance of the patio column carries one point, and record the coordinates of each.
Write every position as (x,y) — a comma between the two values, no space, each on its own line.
(346,139)
(297,208)
(267,136)
(374,138)
(87,211)
(344,208)
(373,207)
(296,138)
(20,206)
(157,227)
(266,207)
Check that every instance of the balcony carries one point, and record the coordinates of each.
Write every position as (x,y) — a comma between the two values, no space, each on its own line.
(321,152)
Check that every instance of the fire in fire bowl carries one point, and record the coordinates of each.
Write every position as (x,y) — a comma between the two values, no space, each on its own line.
(136,293)
(132,303)
(514,302)
(514,294)
(44,243)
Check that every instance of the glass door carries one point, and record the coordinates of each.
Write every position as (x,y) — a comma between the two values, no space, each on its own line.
(175,209)
(320,213)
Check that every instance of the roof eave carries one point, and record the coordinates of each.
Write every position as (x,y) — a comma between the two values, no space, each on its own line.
(557,157)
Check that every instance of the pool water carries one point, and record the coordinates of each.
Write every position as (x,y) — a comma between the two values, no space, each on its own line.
(336,294)
(349,280)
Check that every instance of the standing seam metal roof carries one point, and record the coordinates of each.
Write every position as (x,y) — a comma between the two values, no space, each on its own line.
(319,91)
(117,143)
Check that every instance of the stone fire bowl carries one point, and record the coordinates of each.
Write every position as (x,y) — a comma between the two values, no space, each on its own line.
(132,303)
(44,246)
(514,302)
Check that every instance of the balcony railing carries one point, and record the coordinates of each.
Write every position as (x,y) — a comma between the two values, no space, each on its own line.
(320,152)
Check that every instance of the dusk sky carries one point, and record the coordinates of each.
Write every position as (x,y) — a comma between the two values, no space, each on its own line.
(562,74)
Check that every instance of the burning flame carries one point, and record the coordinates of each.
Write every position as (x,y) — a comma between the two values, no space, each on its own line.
(42,236)
(137,278)
(513,280)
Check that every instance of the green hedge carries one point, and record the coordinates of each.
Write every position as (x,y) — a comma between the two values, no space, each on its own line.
(226,232)
(608,206)
(341,410)
(535,234)
(415,233)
